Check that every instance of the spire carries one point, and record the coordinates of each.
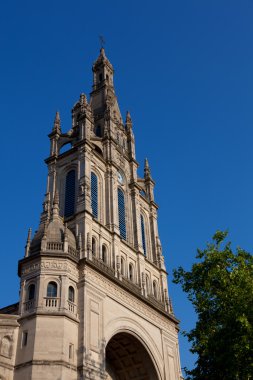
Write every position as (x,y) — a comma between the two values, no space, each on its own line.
(28,242)
(147,172)
(57,123)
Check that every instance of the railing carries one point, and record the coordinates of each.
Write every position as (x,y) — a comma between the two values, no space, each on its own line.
(29,305)
(103,266)
(71,307)
(52,302)
(52,246)
(73,252)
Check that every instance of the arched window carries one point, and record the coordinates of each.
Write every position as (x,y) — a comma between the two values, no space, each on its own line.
(71,295)
(104,254)
(93,246)
(94,194)
(122,266)
(143,236)
(52,289)
(121,212)
(131,272)
(155,289)
(31,292)
(70,193)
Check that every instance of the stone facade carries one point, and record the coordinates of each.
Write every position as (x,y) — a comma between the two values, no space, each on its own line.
(94,300)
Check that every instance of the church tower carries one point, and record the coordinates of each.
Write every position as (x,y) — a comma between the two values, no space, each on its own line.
(94,300)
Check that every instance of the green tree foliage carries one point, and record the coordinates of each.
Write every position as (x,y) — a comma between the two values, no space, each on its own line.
(220,287)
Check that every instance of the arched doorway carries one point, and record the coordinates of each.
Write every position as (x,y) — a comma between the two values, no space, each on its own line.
(128,359)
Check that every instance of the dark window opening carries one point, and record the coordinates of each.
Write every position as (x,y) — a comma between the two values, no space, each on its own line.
(94,194)
(104,258)
(143,235)
(71,295)
(121,213)
(70,193)
(31,292)
(98,131)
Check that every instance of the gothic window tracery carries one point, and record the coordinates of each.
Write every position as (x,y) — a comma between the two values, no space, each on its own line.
(122,214)
(94,194)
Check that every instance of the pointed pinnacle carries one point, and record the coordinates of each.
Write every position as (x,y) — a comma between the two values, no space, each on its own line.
(83,99)
(29,235)
(57,123)
(147,173)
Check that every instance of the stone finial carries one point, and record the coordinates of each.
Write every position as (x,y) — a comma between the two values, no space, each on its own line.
(28,242)
(83,100)
(102,52)
(147,172)
(57,123)
(56,204)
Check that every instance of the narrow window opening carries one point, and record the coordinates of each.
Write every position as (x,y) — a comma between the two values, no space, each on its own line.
(93,246)
(70,193)
(104,255)
(71,295)
(24,339)
(131,272)
(71,351)
(94,194)
(143,235)
(31,292)
(155,289)
(122,266)
(121,213)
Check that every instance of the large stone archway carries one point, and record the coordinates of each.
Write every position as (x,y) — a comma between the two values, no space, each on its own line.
(128,359)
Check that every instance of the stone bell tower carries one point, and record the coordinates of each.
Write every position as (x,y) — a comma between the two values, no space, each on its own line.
(94,300)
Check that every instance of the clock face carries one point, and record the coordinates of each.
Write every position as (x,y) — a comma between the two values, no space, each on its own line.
(120,178)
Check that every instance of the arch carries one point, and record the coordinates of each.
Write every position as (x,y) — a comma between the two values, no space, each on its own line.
(143,236)
(31,292)
(70,193)
(122,213)
(126,358)
(104,254)
(65,147)
(94,194)
(52,289)
(144,335)
(71,294)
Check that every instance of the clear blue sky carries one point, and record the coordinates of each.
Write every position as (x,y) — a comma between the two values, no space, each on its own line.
(184,69)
